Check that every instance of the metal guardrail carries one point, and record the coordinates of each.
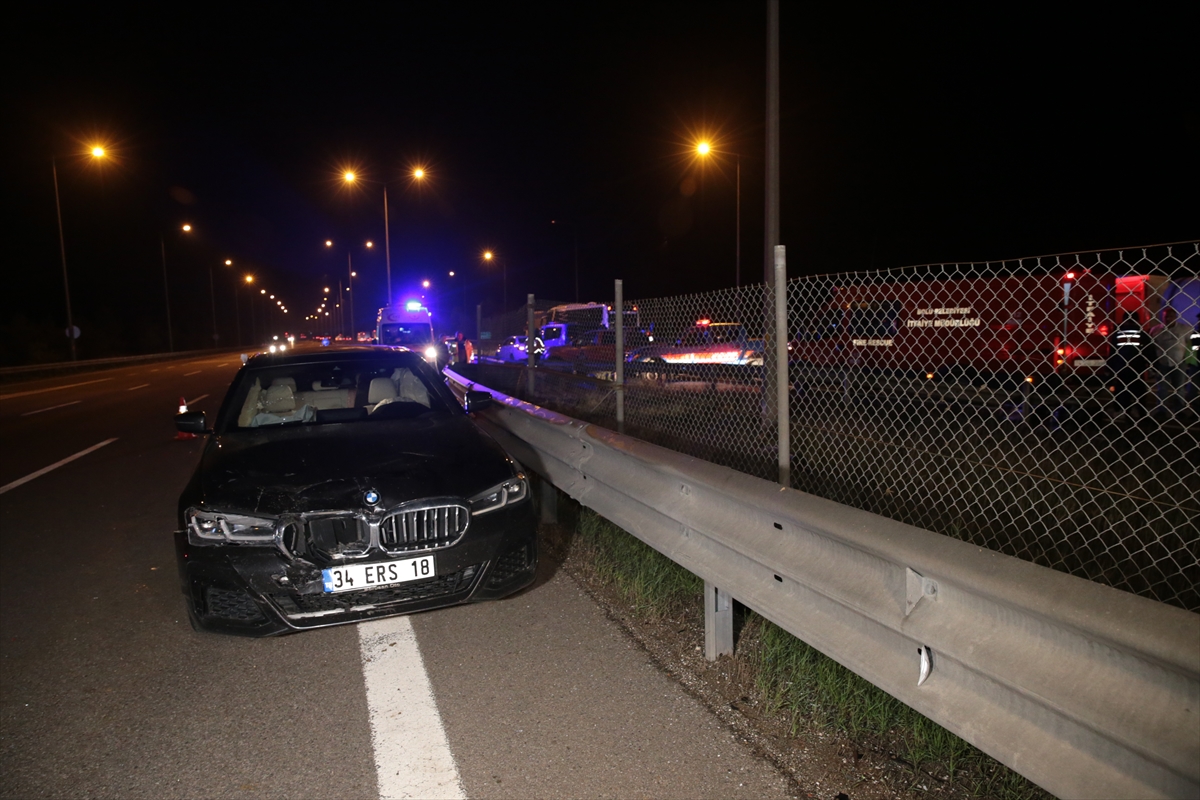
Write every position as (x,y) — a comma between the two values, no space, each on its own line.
(1086,690)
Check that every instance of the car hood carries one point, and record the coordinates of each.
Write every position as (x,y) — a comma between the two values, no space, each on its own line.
(331,467)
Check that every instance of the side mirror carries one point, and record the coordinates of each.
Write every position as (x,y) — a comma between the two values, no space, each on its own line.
(476,401)
(194,421)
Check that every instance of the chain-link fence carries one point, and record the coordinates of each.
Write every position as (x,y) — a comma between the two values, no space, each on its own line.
(1046,408)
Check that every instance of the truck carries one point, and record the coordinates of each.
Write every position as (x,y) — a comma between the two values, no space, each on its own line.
(705,342)
(410,325)
(1020,325)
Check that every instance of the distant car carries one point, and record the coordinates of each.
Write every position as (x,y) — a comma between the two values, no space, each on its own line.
(706,342)
(513,349)
(346,483)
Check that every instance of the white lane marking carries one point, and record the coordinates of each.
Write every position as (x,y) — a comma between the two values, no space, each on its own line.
(412,754)
(54,466)
(139,386)
(51,408)
(226,364)
(189,374)
(197,399)
(52,388)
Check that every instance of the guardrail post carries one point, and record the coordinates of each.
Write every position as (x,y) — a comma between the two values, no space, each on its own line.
(718,622)
(549,501)
(619,290)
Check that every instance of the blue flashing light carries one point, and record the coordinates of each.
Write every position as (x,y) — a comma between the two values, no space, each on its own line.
(413,305)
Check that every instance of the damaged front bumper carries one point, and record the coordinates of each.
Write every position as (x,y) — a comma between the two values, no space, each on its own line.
(266,590)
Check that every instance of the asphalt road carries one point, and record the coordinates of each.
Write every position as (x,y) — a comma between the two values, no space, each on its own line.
(105,690)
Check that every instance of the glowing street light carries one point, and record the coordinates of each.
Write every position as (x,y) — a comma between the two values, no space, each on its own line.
(418,174)
(704,149)
(97,153)
(162,244)
(489,256)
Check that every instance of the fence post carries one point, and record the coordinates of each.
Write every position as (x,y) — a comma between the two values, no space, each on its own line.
(718,622)
(781,367)
(619,290)
(478,324)
(530,334)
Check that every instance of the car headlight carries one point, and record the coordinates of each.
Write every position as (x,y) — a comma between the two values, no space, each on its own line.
(513,490)
(210,527)
(431,353)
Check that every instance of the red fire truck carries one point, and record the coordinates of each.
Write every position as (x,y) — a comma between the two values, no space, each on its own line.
(1033,325)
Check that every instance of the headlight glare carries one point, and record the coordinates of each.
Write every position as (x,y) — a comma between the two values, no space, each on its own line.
(513,490)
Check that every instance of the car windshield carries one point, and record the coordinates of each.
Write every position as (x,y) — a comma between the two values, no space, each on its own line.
(405,334)
(354,389)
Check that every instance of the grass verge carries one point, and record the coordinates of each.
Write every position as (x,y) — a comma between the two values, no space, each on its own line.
(792,680)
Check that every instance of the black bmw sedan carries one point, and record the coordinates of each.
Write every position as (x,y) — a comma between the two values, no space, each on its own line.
(344,484)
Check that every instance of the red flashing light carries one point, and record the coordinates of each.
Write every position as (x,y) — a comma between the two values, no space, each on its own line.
(1070,276)
(1103,329)
(704,322)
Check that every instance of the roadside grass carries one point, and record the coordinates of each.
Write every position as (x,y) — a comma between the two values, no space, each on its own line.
(810,690)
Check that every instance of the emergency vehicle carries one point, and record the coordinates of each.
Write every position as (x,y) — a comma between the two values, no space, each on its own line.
(410,325)
(706,342)
(1032,325)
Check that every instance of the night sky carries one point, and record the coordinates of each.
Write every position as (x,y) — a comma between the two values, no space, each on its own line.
(908,137)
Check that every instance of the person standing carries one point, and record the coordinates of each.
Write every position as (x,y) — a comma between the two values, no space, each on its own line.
(1128,360)
(1171,343)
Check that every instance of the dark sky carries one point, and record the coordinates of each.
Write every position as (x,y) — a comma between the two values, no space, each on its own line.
(907,137)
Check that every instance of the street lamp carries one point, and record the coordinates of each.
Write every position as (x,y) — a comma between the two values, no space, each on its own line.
(704,149)
(418,174)
(489,256)
(162,243)
(97,152)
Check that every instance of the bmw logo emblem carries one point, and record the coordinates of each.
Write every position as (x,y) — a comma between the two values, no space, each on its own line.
(371,497)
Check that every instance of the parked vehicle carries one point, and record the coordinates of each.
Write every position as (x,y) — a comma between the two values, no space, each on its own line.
(341,484)
(1027,326)
(706,342)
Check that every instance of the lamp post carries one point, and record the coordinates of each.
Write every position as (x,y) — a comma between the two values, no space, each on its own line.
(97,152)
(162,243)
(489,256)
(704,149)
(418,174)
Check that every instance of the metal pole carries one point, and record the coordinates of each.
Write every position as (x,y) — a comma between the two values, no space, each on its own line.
(504,273)
(530,334)
(619,304)
(212,293)
(167,294)
(737,237)
(478,324)
(781,367)
(62,248)
(576,232)
(253,329)
(237,314)
(771,232)
(341,309)
(387,249)
(350,293)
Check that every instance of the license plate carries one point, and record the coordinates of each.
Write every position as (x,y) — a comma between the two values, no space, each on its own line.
(355,577)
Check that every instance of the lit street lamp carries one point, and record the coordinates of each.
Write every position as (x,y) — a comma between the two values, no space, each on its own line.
(418,174)
(704,149)
(488,256)
(97,152)
(166,289)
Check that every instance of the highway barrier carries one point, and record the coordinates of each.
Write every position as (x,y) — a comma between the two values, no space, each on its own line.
(1084,689)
